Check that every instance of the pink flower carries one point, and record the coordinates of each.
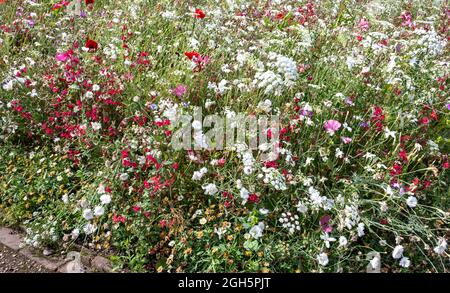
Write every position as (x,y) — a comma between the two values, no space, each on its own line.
(364,24)
(179,91)
(346,140)
(331,126)
(407,19)
(63,57)
(324,224)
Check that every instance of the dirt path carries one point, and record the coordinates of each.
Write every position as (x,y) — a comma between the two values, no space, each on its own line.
(13,262)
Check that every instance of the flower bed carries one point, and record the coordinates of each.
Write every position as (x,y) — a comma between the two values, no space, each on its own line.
(107,140)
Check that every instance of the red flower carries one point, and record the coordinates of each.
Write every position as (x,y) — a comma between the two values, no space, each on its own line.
(200,60)
(253,198)
(199,14)
(125,154)
(396,169)
(191,55)
(91,45)
(118,218)
(403,155)
(89,2)
(425,121)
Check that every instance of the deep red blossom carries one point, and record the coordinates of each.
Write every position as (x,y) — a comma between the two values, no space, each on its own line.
(403,155)
(91,45)
(396,169)
(253,198)
(199,14)
(192,55)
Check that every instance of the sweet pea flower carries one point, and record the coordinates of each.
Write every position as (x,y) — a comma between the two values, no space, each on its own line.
(331,126)
(346,140)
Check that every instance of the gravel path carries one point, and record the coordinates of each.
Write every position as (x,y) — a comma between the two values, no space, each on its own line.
(13,262)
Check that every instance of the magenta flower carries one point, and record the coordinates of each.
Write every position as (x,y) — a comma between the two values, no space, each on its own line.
(62,57)
(324,224)
(179,91)
(331,126)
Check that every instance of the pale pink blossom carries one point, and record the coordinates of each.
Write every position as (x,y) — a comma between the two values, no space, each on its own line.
(364,24)
(346,140)
(331,126)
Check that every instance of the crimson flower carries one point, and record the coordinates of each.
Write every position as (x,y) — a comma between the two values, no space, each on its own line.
(253,198)
(192,54)
(91,45)
(89,2)
(199,14)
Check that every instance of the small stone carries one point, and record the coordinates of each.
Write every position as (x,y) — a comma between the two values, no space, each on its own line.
(47,252)
(47,263)
(9,238)
(74,265)
(101,264)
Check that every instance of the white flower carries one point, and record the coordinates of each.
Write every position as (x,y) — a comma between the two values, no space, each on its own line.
(244,194)
(99,211)
(87,214)
(219,231)
(75,233)
(343,241)
(105,198)
(265,105)
(257,230)
(89,94)
(441,247)
(375,262)
(199,174)
(383,206)
(210,189)
(124,176)
(327,239)
(301,207)
(65,198)
(411,201)
(89,228)
(388,133)
(8,86)
(397,252)
(96,126)
(405,262)
(101,189)
(222,86)
(322,259)
(361,229)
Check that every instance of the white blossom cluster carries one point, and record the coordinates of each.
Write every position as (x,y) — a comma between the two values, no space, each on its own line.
(281,73)
(290,222)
